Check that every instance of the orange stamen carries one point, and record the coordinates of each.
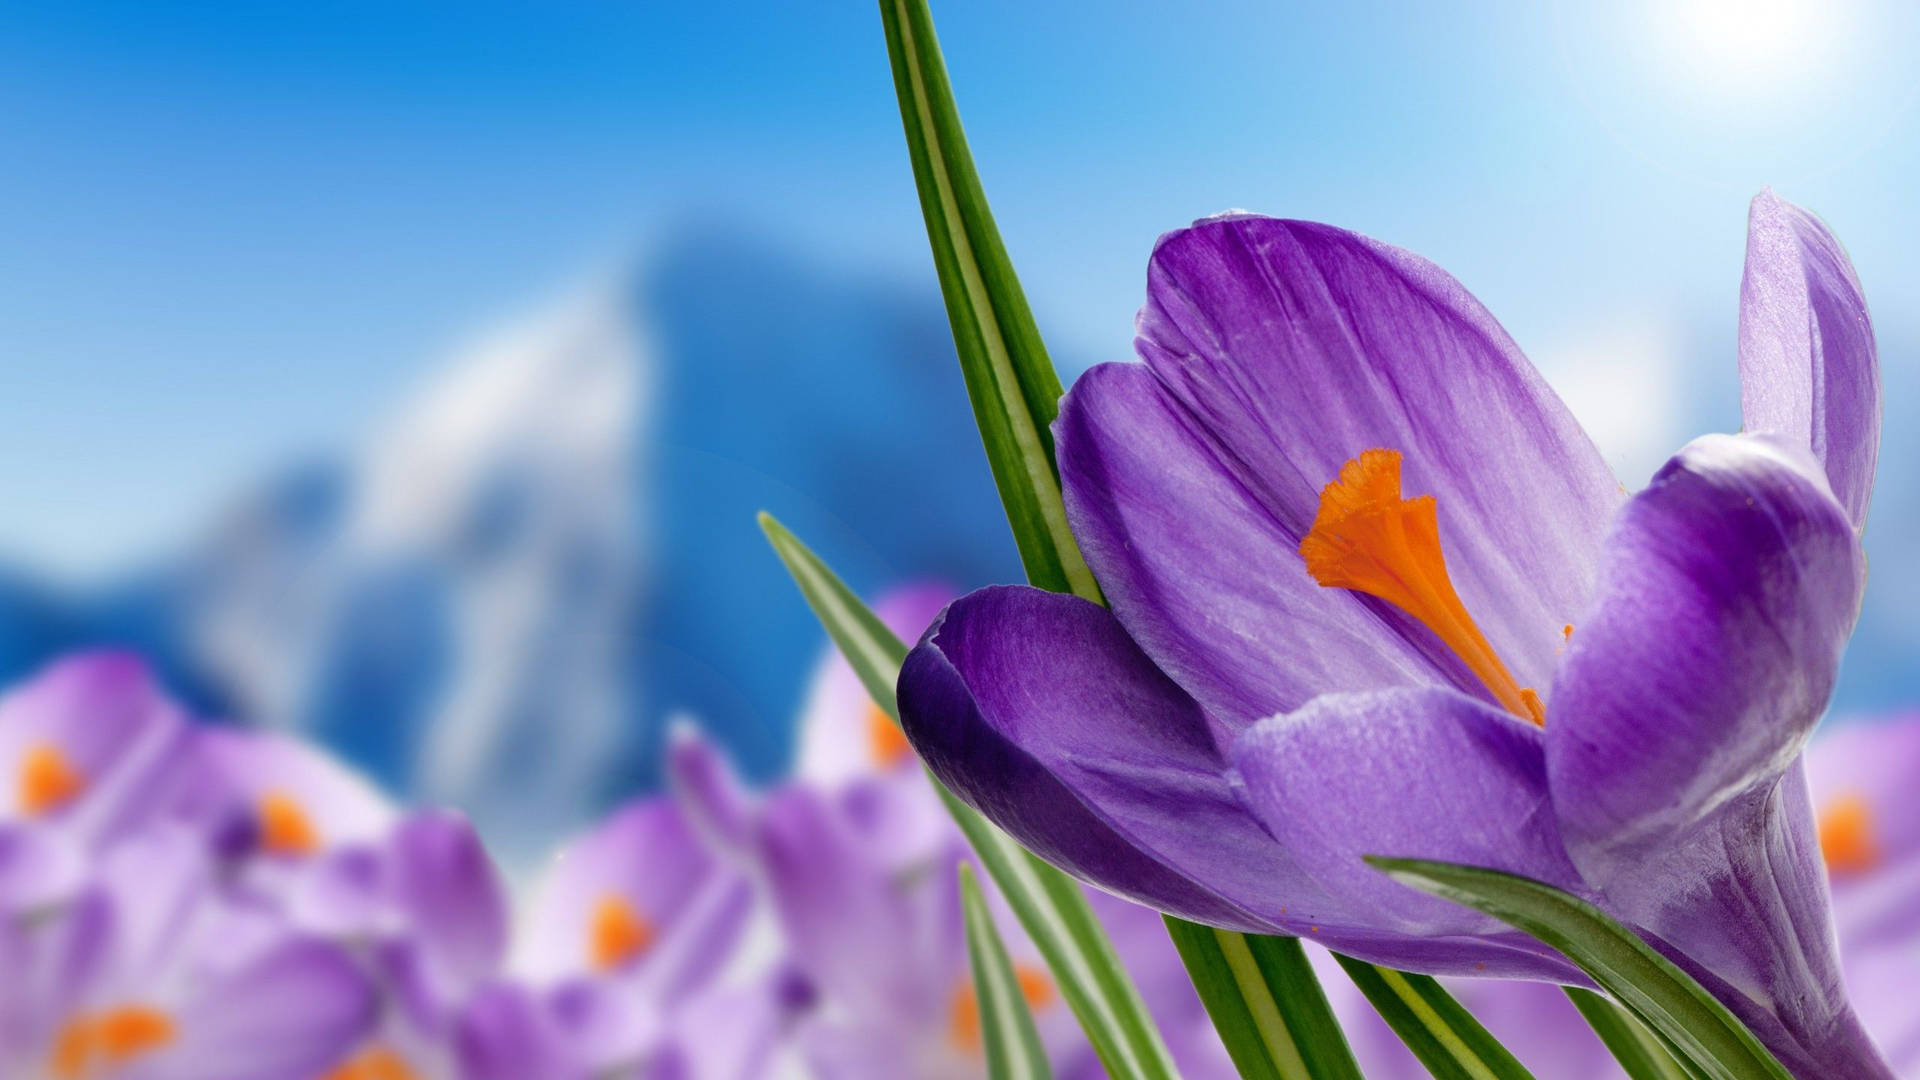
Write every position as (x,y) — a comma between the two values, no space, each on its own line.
(47,780)
(113,1037)
(1365,537)
(963,1013)
(885,741)
(285,828)
(619,933)
(1846,836)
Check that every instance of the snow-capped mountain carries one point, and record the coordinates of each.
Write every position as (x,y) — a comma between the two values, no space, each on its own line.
(500,597)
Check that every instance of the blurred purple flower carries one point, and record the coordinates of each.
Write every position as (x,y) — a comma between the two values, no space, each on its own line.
(153,972)
(857,858)
(89,750)
(1602,691)
(632,922)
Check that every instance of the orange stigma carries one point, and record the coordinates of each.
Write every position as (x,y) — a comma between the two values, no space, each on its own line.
(378,1063)
(1368,539)
(885,741)
(47,780)
(109,1039)
(285,828)
(963,1015)
(618,934)
(1846,836)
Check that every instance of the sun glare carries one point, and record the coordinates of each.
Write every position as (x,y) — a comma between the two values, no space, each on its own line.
(1749,44)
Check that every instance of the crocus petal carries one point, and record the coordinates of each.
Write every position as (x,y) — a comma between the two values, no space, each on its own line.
(1727,593)
(717,805)
(509,1033)
(346,895)
(451,897)
(1293,347)
(1427,774)
(1809,370)
(1728,589)
(850,924)
(1040,712)
(38,867)
(289,1015)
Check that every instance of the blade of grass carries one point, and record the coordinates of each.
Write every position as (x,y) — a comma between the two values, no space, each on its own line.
(1011,382)
(1667,1000)
(1048,903)
(1436,1028)
(1266,1004)
(1006,1024)
(1639,1051)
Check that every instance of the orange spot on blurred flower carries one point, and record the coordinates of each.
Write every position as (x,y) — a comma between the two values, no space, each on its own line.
(618,934)
(47,780)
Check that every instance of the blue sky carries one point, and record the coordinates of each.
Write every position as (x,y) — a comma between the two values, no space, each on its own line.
(233,235)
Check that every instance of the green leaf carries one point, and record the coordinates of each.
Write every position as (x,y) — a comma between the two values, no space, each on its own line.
(1639,1051)
(1440,1032)
(1658,994)
(1266,1004)
(1012,1042)
(1010,380)
(1048,903)
(871,649)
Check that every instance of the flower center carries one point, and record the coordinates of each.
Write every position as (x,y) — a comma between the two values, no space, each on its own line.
(110,1039)
(1365,537)
(378,1063)
(47,780)
(285,828)
(963,1015)
(886,743)
(1846,836)
(618,934)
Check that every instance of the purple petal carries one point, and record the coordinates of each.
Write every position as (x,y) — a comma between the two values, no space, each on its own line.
(509,1034)
(38,867)
(1289,348)
(1426,774)
(451,897)
(1039,711)
(1727,593)
(289,1015)
(1728,590)
(1809,370)
(346,893)
(849,922)
(716,803)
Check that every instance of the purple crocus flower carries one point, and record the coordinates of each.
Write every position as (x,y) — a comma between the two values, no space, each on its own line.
(1374,592)
(90,749)
(153,973)
(632,923)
